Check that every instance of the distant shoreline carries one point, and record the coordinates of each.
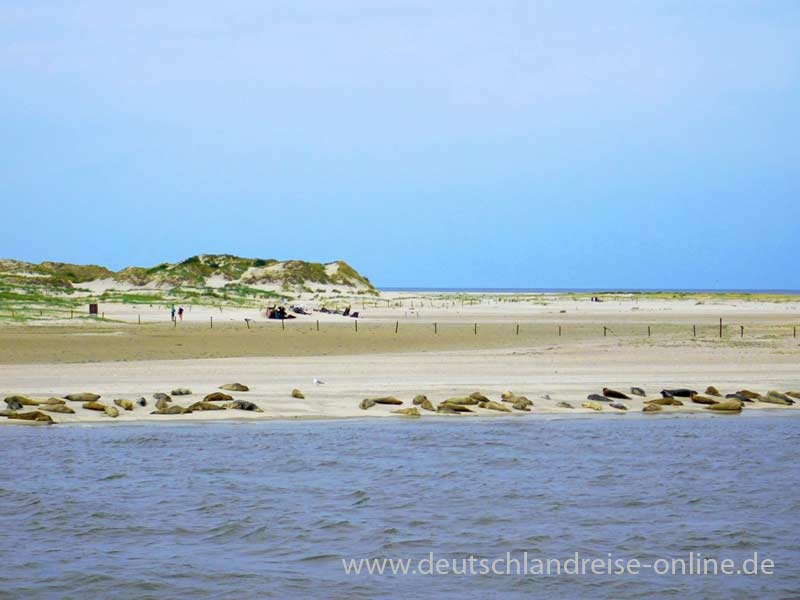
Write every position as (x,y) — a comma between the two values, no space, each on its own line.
(479,290)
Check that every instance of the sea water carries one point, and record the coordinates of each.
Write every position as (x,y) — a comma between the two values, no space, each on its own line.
(271,509)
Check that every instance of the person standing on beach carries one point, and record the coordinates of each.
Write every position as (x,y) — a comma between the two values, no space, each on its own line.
(180,313)
(172,313)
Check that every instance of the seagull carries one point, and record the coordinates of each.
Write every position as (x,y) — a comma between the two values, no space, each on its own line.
(318,381)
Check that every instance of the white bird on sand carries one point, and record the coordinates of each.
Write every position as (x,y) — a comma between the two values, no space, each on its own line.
(318,381)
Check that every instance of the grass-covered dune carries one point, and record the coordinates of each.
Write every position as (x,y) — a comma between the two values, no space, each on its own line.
(49,289)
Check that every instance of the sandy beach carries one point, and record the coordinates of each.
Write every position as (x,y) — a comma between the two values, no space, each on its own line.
(490,346)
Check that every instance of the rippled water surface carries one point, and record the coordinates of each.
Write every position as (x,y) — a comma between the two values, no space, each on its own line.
(270,509)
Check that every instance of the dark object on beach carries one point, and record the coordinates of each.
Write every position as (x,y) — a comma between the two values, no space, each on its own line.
(619,406)
(243,405)
(161,396)
(142,402)
(637,391)
(13,404)
(218,397)
(387,400)
(346,312)
(738,396)
(609,393)
(234,387)
(35,415)
(598,398)
(354,315)
(679,392)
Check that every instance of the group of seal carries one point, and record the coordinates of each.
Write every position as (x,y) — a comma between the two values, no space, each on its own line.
(91,401)
(453,406)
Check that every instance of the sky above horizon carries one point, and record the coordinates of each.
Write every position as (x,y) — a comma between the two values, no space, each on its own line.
(626,144)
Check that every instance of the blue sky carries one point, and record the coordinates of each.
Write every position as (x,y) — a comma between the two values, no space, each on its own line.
(514,144)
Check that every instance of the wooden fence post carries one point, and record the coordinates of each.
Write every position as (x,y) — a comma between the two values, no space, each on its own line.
(356,324)
(742,330)
(211,321)
(476,329)
(317,324)
(720,327)
(605,331)
(694,330)
(517,328)
(648,331)
(396,326)
(435,328)
(559,331)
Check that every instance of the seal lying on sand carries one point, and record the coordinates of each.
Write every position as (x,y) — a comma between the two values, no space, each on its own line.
(698,399)
(366,403)
(427,405)
(388,400)
(201,406)
(652,408)
(679,392)
(666,401)
(609,393)
(243,405)
(750,395)
(162,403)
(20,401)
(122,403)
(726,406)
(780,396)
(235,387)
(479,397)
(172,410)
(712,391)
(795,395)
(35,415)
(83,397)
(98,406)
(298,394)
(592,405)
(181,392)
(161,396)
(465,401)
(52,401)
(618,405)
(494,406)
(218,397)
(142,402)
(637,391)
(419,399)
(446,408)
(564,404)
(598,398)
(408,412)
(112,411)
(522,404)
(739,397)
(58,408)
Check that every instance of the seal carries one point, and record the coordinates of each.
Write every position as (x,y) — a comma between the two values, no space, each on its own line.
(618,406)
(418,399)
(727,406)
(298,394)
(52,401)
(142,402)
(21,401)
(652,408)
(126,404)
(112,411)
(479,397)
(750,395)
(698,399)
(58,408)
(234,387)
(795,395)
(202,405)
(427,405)
(712,391)
(388,400)
(172,410)
(739,397)
(98,406)
(563,404)
(412,412)
(592,405)
(161,396)
(637,391)
(449,410)
(243,405)
(459,408)
(598,398)
(467,401)
(609,393)
(162,403)
(218,397)
(489,405)
(366,403)
(82,397)
(181,392)
(668,401)
(522,405)
(776,395)
(679,392)
(35,415)
(13,404)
